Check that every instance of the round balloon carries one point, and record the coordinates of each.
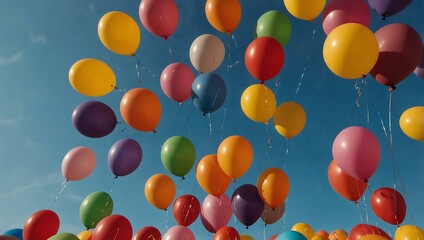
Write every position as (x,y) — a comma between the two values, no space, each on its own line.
(178,155)
(245,237)
(409,232)
(389,205)
(388,7)
(289,119)
(211,177)
(64,236)
(304,229)
(207,53)
(124,157)
(160,191)
(338,234)
(258,103)
(176,80)
(186,209)
(235,155)
(323,233)
(247,204)
(272,215)
(305,9)
(215,212)
(41,225)
(78,163)
(223,15)
(94,208)
(363,230)
(273,186)
(274,24)
(113,227)
(178,233)
(159,17)
(85,235)
(412,123)
(15,232)
(226,233)
(208,92)
(291,235)
(147,233)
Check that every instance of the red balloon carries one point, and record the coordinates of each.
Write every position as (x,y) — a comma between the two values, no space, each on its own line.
(41,225)
(273,237)
(264,58)
(226,233)
(113,227)
(366,229)
(389,205)
(186,209)
(148,233)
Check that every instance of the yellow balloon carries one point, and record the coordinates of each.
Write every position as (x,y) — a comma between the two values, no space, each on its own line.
(92,77)
(119,33)
(318,237)
(160,191)
(338,234)
(245,237)
(258,103)
(235,155)
(409,232)
(85,235)
(305,9)
(304,229)
(412,123)
(351,50)
(372,237)
(289,119)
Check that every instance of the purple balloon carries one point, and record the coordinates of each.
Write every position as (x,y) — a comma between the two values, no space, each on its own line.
(124,157)
(419,71)
(94,119)
(247,204)
(387,8)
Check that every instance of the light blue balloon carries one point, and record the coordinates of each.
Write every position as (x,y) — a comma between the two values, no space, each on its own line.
(291,235)
(208,92)
(16,232)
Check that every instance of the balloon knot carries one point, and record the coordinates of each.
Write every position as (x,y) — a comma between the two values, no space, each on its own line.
(234,181)
(262,82)
(365,180)
(384,16)
(183,178)
(166,37)
(181,103)
(116,177)
(311,20)
(247,227)
(133,55)
(87,229)
(204,114)
(166,209)
(364,76)
(392,88)
(154,131)
(356,202)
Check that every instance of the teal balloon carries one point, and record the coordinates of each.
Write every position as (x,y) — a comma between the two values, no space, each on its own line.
(94,208)
(291,235)
(178,155)
(64,236)
(274,24)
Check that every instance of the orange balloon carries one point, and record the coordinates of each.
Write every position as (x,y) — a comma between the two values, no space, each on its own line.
(235,156)
(318,237)
(323,233)
(338,234)
(223,15)
(211,177)
(160,191)
(141,109)
(273,186)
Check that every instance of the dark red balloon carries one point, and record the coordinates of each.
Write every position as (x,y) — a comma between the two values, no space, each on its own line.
(148,233)
(186,209)
(4,237)
(41,225)
(247,204)
(389,205)
(366,229)
(226,233)
(264,58)
(113,227)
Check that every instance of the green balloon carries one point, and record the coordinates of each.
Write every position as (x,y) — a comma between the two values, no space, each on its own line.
(274,24)
(64,236)
(94,208)
(178,155)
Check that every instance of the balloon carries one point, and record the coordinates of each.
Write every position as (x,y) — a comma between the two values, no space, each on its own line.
(305,9)
(357,152)
(338,234)
(412,123)
(178,155)
(291,235)
(273,237)
(208,92)
(350,50)
(372,237)
(235,155)
(160,191)
(273,186)
(388,7)
(16,232)
(147,233)
(346,186)
(258,103)
(95,207)
(159,17)
(245,237)
(226,233)
(176,80)
(178,233)
(339,12)
(207,53)
(264,58)
(94,119)
(323,233)
(363,230)
(409,232)
(389,205)
(319,237)
(4,237)
(419,70)
(223,15)
(210,176)
(304,229)
(124,156)
(215,212)
(247,204)
(289,119)
(186,209)
(401,49)
(113,227)
(92,77)
(78,163)
(41,225)
(119,33)
(141,109)
(272,215)
(85,235)
(64,236)
(274,24)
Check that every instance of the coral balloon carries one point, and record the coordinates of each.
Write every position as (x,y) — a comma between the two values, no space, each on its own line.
(78,163)
(419,70)
(389,205)
(226,233)
(412,123)
(372,237)
(235,155)
(215,212)
(338,234)
(176,80)
(304,229)
(159,17)
(160,191)
(178,155)
(363,230)
(147,233)
(247,204)
(274,24)
(207,53)
(186,209)
(409,232)
(141,109)
(258,103)
(388,7)
(273,186)
(64,236)
(208,92)
(305,9)
(350,50)
(323,233)
(92,77)
(178,233)
(211,177)
(41,225)
(124,157)
(85,235)
(272,215)
(223,15)
(119,33)
(95,207)
(289,119)
(113,227)
(291,235)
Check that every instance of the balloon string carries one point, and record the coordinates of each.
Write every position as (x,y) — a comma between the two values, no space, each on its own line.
(210,124)
(62,187)
(223,122)
(365,209)
(358,89)
(364,81)
(166,221)
(170,50)
(229,54)
(277,84)
(113,184)
(103,209)
(234,40)
(306,63)
(359,211)
(287,154)
(137,68)
(121,91)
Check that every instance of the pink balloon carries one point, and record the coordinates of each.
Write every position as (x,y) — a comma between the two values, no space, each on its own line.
(357,152)
(339,12)
(78,163)
(216,212)
(178,233)
(159,17)
(176,80)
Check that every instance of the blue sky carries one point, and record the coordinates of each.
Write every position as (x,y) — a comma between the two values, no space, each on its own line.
(41,40)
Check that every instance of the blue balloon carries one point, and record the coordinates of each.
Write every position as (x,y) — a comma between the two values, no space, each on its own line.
(16,232)
(208,92)
(291,235)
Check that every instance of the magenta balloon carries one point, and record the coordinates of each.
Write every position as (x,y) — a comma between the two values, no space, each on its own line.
(178,233)
(339,12)
(216,212)
(124,157)
(419,71)
(159,17)
(387,8)
(357,152)
(78,163)
(176,80)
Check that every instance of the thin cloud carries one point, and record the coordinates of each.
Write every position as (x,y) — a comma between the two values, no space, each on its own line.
(39,39)
(4,61)
(4,121)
